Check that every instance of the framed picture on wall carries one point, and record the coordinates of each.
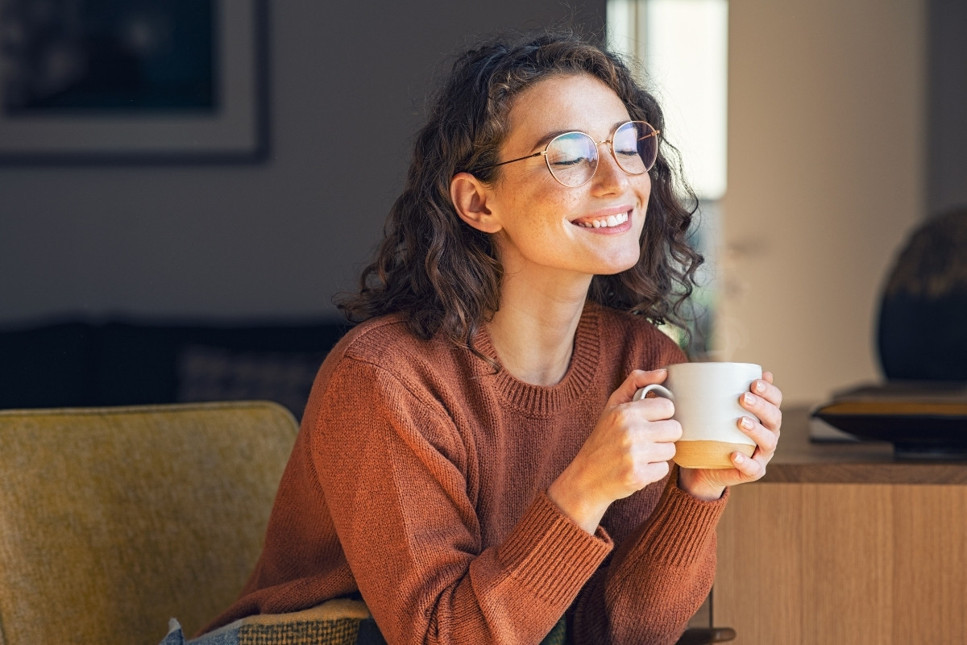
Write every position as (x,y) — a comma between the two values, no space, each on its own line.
(132,81)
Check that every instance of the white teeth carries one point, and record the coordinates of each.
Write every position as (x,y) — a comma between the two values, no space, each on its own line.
(608,222)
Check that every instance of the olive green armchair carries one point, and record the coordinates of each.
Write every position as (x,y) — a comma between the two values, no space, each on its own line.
(114,520)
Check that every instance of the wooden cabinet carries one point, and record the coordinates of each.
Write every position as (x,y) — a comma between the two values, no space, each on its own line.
(840,543)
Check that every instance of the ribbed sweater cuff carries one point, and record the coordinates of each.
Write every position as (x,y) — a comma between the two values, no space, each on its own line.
(681,525)
(552,555)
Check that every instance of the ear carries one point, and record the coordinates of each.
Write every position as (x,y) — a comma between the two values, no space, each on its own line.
(470,197)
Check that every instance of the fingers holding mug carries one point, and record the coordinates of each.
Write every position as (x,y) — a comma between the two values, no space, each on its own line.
(762,401)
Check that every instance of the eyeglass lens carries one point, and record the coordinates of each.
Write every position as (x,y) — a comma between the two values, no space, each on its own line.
(573,157)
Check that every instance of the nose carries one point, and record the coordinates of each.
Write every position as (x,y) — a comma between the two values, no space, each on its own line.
(608,176)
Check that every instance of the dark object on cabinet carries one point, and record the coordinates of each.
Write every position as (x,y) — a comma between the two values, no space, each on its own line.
(922,327)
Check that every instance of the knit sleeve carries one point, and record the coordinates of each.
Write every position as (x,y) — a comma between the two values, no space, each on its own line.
(657,578)
(392,468)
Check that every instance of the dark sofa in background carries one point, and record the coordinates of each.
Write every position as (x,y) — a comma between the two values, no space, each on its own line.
(76,363)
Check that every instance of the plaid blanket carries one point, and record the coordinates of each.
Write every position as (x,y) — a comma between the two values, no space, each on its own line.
(336,622)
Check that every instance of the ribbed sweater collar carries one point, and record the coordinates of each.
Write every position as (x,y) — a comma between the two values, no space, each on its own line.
(547,400)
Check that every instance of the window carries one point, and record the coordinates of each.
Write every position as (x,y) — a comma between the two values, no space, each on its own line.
(679,50)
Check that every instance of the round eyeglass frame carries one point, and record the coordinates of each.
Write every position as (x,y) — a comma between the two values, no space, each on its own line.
(597,159)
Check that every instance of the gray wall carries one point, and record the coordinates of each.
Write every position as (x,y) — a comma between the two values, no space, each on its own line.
(947,106)
(277,239)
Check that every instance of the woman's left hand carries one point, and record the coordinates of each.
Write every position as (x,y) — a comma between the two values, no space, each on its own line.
(762,401)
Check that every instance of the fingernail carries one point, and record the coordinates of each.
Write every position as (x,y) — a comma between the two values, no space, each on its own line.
(760,387)
(739,458)
(748,398)
(746,423)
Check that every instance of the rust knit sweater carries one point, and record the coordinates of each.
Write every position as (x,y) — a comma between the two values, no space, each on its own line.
(418,479)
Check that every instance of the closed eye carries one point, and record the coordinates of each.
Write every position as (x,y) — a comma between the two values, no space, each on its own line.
(564,163)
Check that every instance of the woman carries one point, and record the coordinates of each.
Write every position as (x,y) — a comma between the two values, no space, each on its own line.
(471,461)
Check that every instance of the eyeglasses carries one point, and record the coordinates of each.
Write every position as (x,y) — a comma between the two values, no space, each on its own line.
(572,157)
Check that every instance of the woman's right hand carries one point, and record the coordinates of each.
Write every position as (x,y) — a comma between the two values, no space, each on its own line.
(630,447)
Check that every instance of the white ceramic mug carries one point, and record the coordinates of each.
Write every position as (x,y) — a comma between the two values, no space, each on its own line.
(706,397)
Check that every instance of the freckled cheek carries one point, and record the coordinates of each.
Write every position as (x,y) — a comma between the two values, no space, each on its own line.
(564,206)
(544,204)
(547,209)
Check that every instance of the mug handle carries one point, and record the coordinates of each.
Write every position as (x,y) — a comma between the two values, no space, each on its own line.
(654,387)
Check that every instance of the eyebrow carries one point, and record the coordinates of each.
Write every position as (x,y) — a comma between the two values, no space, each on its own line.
(546,139)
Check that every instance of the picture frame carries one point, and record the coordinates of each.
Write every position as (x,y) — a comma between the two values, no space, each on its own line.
(215,111)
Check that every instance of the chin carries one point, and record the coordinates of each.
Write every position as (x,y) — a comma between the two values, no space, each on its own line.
(616,266)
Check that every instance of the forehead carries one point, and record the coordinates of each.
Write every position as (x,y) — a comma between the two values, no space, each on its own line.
(565,102)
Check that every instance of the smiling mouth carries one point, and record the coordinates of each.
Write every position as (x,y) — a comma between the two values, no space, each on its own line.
(604,222)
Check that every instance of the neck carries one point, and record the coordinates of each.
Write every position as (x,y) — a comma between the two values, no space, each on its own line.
(533,332)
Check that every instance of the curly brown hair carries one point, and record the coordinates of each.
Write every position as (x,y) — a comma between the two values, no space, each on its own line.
(443,274)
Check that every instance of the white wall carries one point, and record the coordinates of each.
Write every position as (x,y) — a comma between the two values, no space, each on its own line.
(276,239)
(826,178)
